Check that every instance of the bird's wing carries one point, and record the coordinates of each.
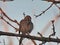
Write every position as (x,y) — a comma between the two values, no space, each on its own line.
(30,27)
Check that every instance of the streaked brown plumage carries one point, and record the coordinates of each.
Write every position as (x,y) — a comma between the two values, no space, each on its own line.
(26,26)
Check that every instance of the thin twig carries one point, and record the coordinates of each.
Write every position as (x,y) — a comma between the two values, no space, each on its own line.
(6,0)
(53,1)
(32,40)
(53,34)
(40,34)
(8,17)
(9,23)
(24,14)
(57,6)
(43,42)
(44,10)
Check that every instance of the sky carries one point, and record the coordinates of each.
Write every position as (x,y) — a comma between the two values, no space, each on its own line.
(15,9)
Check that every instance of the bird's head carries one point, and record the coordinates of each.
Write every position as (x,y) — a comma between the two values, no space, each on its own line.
(28,18)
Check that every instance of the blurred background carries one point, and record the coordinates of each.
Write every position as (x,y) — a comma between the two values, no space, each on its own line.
(14,9)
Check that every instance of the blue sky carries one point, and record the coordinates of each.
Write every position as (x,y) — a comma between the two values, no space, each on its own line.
(16,8)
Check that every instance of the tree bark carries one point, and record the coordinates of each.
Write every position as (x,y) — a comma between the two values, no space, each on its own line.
(46,39)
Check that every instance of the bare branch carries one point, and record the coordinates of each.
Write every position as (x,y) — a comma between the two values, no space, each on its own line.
(6,0)
(40,34)
(24,14)
(54,1)
(53,34)
(45,10)
(57,6)
(46,39)
(8,17)
(32,40)
(9,23)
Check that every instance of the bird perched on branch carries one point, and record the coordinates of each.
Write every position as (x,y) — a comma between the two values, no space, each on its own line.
(26,26)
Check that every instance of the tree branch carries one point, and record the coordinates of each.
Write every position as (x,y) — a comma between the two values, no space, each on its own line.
(54,1)
(4,14)
(46,39)
(9,24)
(45,10)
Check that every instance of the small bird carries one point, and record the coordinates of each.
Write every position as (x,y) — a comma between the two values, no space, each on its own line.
(26,27)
